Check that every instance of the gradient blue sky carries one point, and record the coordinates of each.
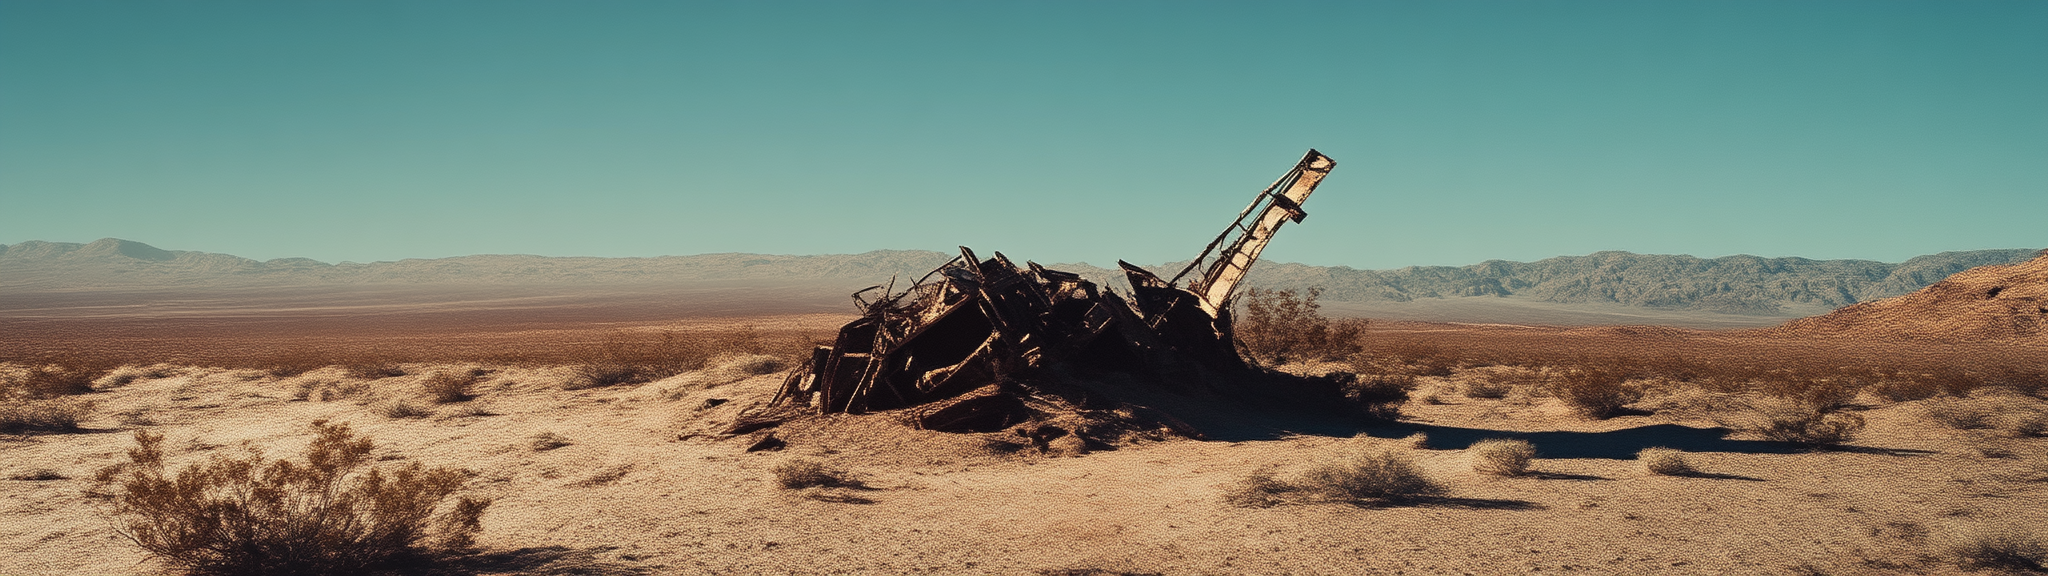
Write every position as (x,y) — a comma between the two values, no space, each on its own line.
(1053,131)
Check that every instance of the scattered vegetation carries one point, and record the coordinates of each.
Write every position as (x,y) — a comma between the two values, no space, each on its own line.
(1375,475)
(126,375)
(1380,475)
(332,513)
(1416,441)
(546,441)
(605,476)
(444,387)
(1783,420)
(401,408)
(2009,549)
(19,415)
(1276,327)
(1486,388)
(799,473)
(1665,462)
(1595,390)
(630,359)
(1958,413)
(1502,456)
(368,368)
(1257,489)
(1378,396)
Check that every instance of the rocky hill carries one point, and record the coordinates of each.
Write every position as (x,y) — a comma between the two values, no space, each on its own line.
(1728,285)
(2004,302)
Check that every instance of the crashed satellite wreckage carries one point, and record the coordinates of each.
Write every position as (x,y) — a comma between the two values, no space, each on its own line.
(981,345)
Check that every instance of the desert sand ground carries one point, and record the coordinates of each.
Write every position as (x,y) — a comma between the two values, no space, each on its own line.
(644,487)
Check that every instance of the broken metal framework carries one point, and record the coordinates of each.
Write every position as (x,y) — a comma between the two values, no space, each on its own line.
(973,323)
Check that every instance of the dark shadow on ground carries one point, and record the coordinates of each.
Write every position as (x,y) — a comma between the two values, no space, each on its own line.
(1714,476)
(1874,450)
(1450,502)
(1562,476)
(541,561)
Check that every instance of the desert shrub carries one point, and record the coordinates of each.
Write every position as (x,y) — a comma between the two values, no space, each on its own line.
(1894,386)
(1825,392)
(1416,441)
(51,381)
(333,513)
(403,409)
(2009,549)
(371,369)
(328,390)
(1486,388)
(126,375)
(2026,424)
(1281,326)
(445,387)
(1502,456)
(1594,391)
(18,415)
(797,473)
(1376,475)
(546,441)
(1256,489)
(1782,420)
(605,373)
(1958,413)
(1377,396)
(1665,461)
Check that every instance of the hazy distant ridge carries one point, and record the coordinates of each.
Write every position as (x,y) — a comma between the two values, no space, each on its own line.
(1733,284)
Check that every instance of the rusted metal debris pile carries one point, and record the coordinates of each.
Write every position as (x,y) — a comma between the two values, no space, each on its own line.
(970,343)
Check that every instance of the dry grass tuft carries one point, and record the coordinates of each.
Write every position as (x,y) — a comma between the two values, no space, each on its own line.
(1665,462)
(606,476)
(1958,413)
(333,513)
(1487,389)
(372,369)
(19,415)
(1416,441)
(1257,489)
(546,441)
(319,390)
(48,381)
(1502,456)
(2009,549)
(447,387)
(2027,424)
(1594,391)
(1784,420)
(1376,475)
(403,409)
(799,473)
(1377,396)
(126,375)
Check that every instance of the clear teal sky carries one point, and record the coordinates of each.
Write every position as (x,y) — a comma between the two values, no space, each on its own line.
(1053,131)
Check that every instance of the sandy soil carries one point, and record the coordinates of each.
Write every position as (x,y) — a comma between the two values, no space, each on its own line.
(945,504)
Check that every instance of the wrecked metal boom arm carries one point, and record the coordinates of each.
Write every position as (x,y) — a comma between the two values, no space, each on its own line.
(1248,236)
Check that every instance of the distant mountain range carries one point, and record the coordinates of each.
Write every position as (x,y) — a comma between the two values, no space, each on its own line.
(1727,285)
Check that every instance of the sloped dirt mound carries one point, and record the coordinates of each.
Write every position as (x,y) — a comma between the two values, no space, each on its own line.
(2007,302)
